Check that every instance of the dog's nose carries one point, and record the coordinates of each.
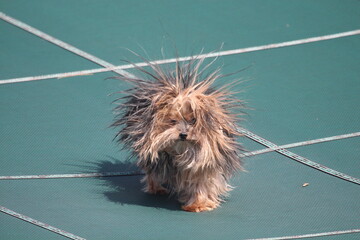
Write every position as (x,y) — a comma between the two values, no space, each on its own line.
(183,136)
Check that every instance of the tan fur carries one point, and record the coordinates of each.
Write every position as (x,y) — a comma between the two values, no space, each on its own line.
(183,133)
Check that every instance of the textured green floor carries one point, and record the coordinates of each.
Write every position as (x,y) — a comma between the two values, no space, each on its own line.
(61,125)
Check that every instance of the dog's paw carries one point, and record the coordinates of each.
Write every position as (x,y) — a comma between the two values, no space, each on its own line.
(200,207)
(157,191)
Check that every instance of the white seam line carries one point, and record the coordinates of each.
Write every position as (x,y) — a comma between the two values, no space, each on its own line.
(76,175)
(134,173)
(313,235)
(40,224)
(298,158)
(304,143)
(61,44)
(172,60)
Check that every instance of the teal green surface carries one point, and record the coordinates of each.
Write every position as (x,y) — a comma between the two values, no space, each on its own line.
(269,200)
(55,124)
(60,126)
(341,155)
(105,28)
(14,229)
(305,92)
(24,55)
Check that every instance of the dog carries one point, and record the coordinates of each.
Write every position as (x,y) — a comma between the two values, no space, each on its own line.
(183,131)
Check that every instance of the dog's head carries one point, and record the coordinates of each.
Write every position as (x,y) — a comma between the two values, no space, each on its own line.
(180,119)
(179,111)
(190,117)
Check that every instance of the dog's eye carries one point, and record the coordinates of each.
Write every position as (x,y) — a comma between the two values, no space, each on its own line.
(192,121)
(173,121)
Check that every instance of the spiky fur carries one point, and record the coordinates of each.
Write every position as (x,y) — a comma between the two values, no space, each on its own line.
(167,103)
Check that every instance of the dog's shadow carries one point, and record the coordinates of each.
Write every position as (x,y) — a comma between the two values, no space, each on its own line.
(128,189)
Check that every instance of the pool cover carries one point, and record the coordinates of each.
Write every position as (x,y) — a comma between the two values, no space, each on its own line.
(63,176)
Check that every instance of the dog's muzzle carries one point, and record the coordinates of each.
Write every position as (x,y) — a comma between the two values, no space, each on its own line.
(183,136)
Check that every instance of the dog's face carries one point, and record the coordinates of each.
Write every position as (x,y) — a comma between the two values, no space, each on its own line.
(176,124)
(181,120)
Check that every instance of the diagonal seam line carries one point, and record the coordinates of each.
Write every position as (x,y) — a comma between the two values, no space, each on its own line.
(313,235)
(298,158)
(304,143)
(207,55)
(134,173)
(40,224)
(61,44)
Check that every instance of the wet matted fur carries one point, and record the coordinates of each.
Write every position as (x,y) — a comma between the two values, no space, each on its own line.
(182,131)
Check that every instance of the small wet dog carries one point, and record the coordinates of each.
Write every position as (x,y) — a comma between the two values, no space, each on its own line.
(182,131)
